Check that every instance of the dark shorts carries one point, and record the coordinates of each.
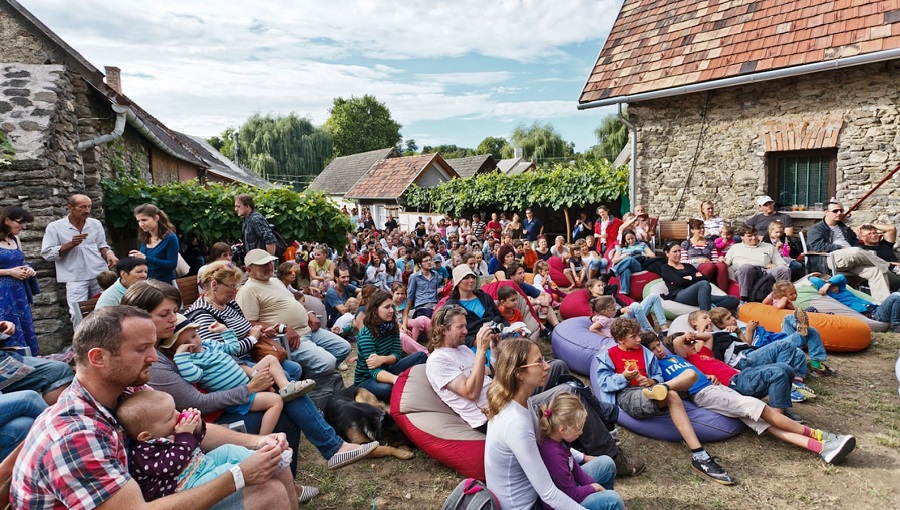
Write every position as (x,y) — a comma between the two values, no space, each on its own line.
(639,407)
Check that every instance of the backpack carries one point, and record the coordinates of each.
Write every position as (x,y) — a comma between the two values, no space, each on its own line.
(280,244)
(471,494)
(761,287)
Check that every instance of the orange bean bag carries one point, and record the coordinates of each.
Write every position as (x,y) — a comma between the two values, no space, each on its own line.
(839,333)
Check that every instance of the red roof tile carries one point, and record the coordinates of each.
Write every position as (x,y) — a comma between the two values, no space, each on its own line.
(656,45)
(389,178)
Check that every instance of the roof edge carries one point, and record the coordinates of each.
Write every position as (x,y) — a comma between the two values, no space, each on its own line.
(774,74)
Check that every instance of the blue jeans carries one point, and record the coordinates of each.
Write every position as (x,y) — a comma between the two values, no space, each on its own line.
(597,267)
(47,376)
(640,311)
(773,380)
(20,408)
(603,471)
(624,268)
(812,341)
(781,351)
(298,416)
(889,310)
(700,294)
(383,390)
(320,352)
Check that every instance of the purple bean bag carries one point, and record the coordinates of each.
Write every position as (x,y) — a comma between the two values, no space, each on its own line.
(573,343)
(708,425)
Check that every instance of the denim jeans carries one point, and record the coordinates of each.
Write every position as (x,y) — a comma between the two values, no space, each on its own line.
(773,380)
(623,269)
(383,390)
(47,376)
(20,408)
(640,311)
(603,471)
(812,340)
(320,352)
(700,294)
(889,310)
(298,416)
(781,351)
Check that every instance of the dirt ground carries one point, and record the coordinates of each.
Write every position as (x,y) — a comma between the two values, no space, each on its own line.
(861,399)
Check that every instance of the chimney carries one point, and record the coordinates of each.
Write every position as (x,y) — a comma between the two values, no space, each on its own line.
(113,78)
(519,152)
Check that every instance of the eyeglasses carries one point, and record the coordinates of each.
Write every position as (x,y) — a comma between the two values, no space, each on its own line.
(540,361)
(20,222)
(232,287)
(837,211)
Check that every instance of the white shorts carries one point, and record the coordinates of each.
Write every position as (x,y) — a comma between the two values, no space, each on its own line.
(728,402)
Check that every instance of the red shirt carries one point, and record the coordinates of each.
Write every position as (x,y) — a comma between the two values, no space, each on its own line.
(709,365)
(628,360)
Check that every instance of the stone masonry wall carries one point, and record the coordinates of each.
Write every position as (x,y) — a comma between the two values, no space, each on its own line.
(731,164)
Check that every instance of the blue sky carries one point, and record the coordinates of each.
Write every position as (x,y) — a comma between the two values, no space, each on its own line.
(451,72)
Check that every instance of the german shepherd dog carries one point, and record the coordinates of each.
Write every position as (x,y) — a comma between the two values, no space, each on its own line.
(358,417)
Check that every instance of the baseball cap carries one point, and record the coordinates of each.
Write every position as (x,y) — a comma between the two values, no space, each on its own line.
(438,258)
(181,323)
(763,200)
(258,257)
(460,272)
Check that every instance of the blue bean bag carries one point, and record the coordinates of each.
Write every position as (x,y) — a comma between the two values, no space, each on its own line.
(573,343)
(708,425)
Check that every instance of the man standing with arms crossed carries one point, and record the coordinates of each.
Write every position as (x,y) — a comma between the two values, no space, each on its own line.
(77,244)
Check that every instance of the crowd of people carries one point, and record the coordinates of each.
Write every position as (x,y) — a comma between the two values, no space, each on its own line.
(147,368)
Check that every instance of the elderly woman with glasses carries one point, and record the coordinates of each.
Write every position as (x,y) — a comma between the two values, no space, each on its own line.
(701,252)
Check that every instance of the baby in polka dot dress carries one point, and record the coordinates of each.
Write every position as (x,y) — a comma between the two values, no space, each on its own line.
(164,453)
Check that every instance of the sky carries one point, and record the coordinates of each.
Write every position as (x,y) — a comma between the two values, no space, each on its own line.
(451,72)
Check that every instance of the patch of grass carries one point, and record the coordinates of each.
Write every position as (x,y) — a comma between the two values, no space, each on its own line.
(889,438)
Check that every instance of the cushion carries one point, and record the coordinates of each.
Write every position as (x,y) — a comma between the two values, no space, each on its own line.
(573,343)
(673,308)
(839,333)
(433,427)
(708,425)
(556,272)
(576,304)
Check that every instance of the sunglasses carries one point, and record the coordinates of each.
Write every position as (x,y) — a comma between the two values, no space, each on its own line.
(837,211)
(540,361)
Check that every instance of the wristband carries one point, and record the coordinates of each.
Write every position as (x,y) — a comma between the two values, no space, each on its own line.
(238,477)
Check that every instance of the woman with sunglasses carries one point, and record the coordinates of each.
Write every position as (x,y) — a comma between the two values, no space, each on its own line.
(515,471)
(15,300)
(687,285)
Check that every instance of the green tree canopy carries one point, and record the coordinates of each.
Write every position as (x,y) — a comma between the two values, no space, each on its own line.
(449,151)
(411,147)
(612,136)
(283,149)
(361,124)
(492,145)
(224,143)
(538,140)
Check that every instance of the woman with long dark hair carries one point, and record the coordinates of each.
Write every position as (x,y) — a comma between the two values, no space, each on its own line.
(15,305)
(687,285)
(159,244)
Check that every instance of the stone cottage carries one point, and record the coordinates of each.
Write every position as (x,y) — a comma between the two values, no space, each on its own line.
(732,100)
(71,127)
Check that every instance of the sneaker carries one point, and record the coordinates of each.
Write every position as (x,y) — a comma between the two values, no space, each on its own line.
(308,494)
(818,368)
(812,309)
(802,322)
(837,448)
(797,397)
(296,389)
(656,392)
(794,416)
(627,465)
(339,460)
(828,436)
(711,468)
(803,389)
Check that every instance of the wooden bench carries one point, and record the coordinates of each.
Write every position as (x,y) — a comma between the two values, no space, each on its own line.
(187,286)
(86,307)
(671,230)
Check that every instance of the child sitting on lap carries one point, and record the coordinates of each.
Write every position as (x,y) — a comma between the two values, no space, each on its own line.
(561,421)
(629,374)
(164,453)
(210,364)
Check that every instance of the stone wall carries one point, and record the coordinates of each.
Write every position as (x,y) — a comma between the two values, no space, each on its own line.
(730,166)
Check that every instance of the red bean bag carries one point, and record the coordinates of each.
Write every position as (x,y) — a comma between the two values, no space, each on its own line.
(708,425)
(556,272)
(839,333)
(576,304)
(433,427)
(573,343)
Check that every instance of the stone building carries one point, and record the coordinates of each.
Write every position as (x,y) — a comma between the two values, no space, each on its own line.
(71,127)
(732,100)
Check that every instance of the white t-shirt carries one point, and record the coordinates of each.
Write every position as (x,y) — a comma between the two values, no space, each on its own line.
(446,364)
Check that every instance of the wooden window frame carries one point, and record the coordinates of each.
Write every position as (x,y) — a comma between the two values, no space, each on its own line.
(775,157)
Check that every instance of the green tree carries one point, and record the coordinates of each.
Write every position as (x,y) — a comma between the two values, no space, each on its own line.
(538,140)
(361,124)
(411,147)
(612,136)
(284,149)
(492,145)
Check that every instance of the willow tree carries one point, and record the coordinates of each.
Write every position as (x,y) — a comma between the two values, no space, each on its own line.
(612,136)
(287,148)
(538,140)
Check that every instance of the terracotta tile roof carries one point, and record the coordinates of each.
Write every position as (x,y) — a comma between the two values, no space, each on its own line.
(389,178)
(342,173)
(656,45)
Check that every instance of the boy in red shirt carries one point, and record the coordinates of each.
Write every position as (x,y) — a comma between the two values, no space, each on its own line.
(629,376)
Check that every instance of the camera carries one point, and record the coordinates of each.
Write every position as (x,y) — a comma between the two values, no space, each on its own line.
(496,327)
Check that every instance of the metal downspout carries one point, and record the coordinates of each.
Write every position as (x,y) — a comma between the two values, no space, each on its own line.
(632,170)
(103,139)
